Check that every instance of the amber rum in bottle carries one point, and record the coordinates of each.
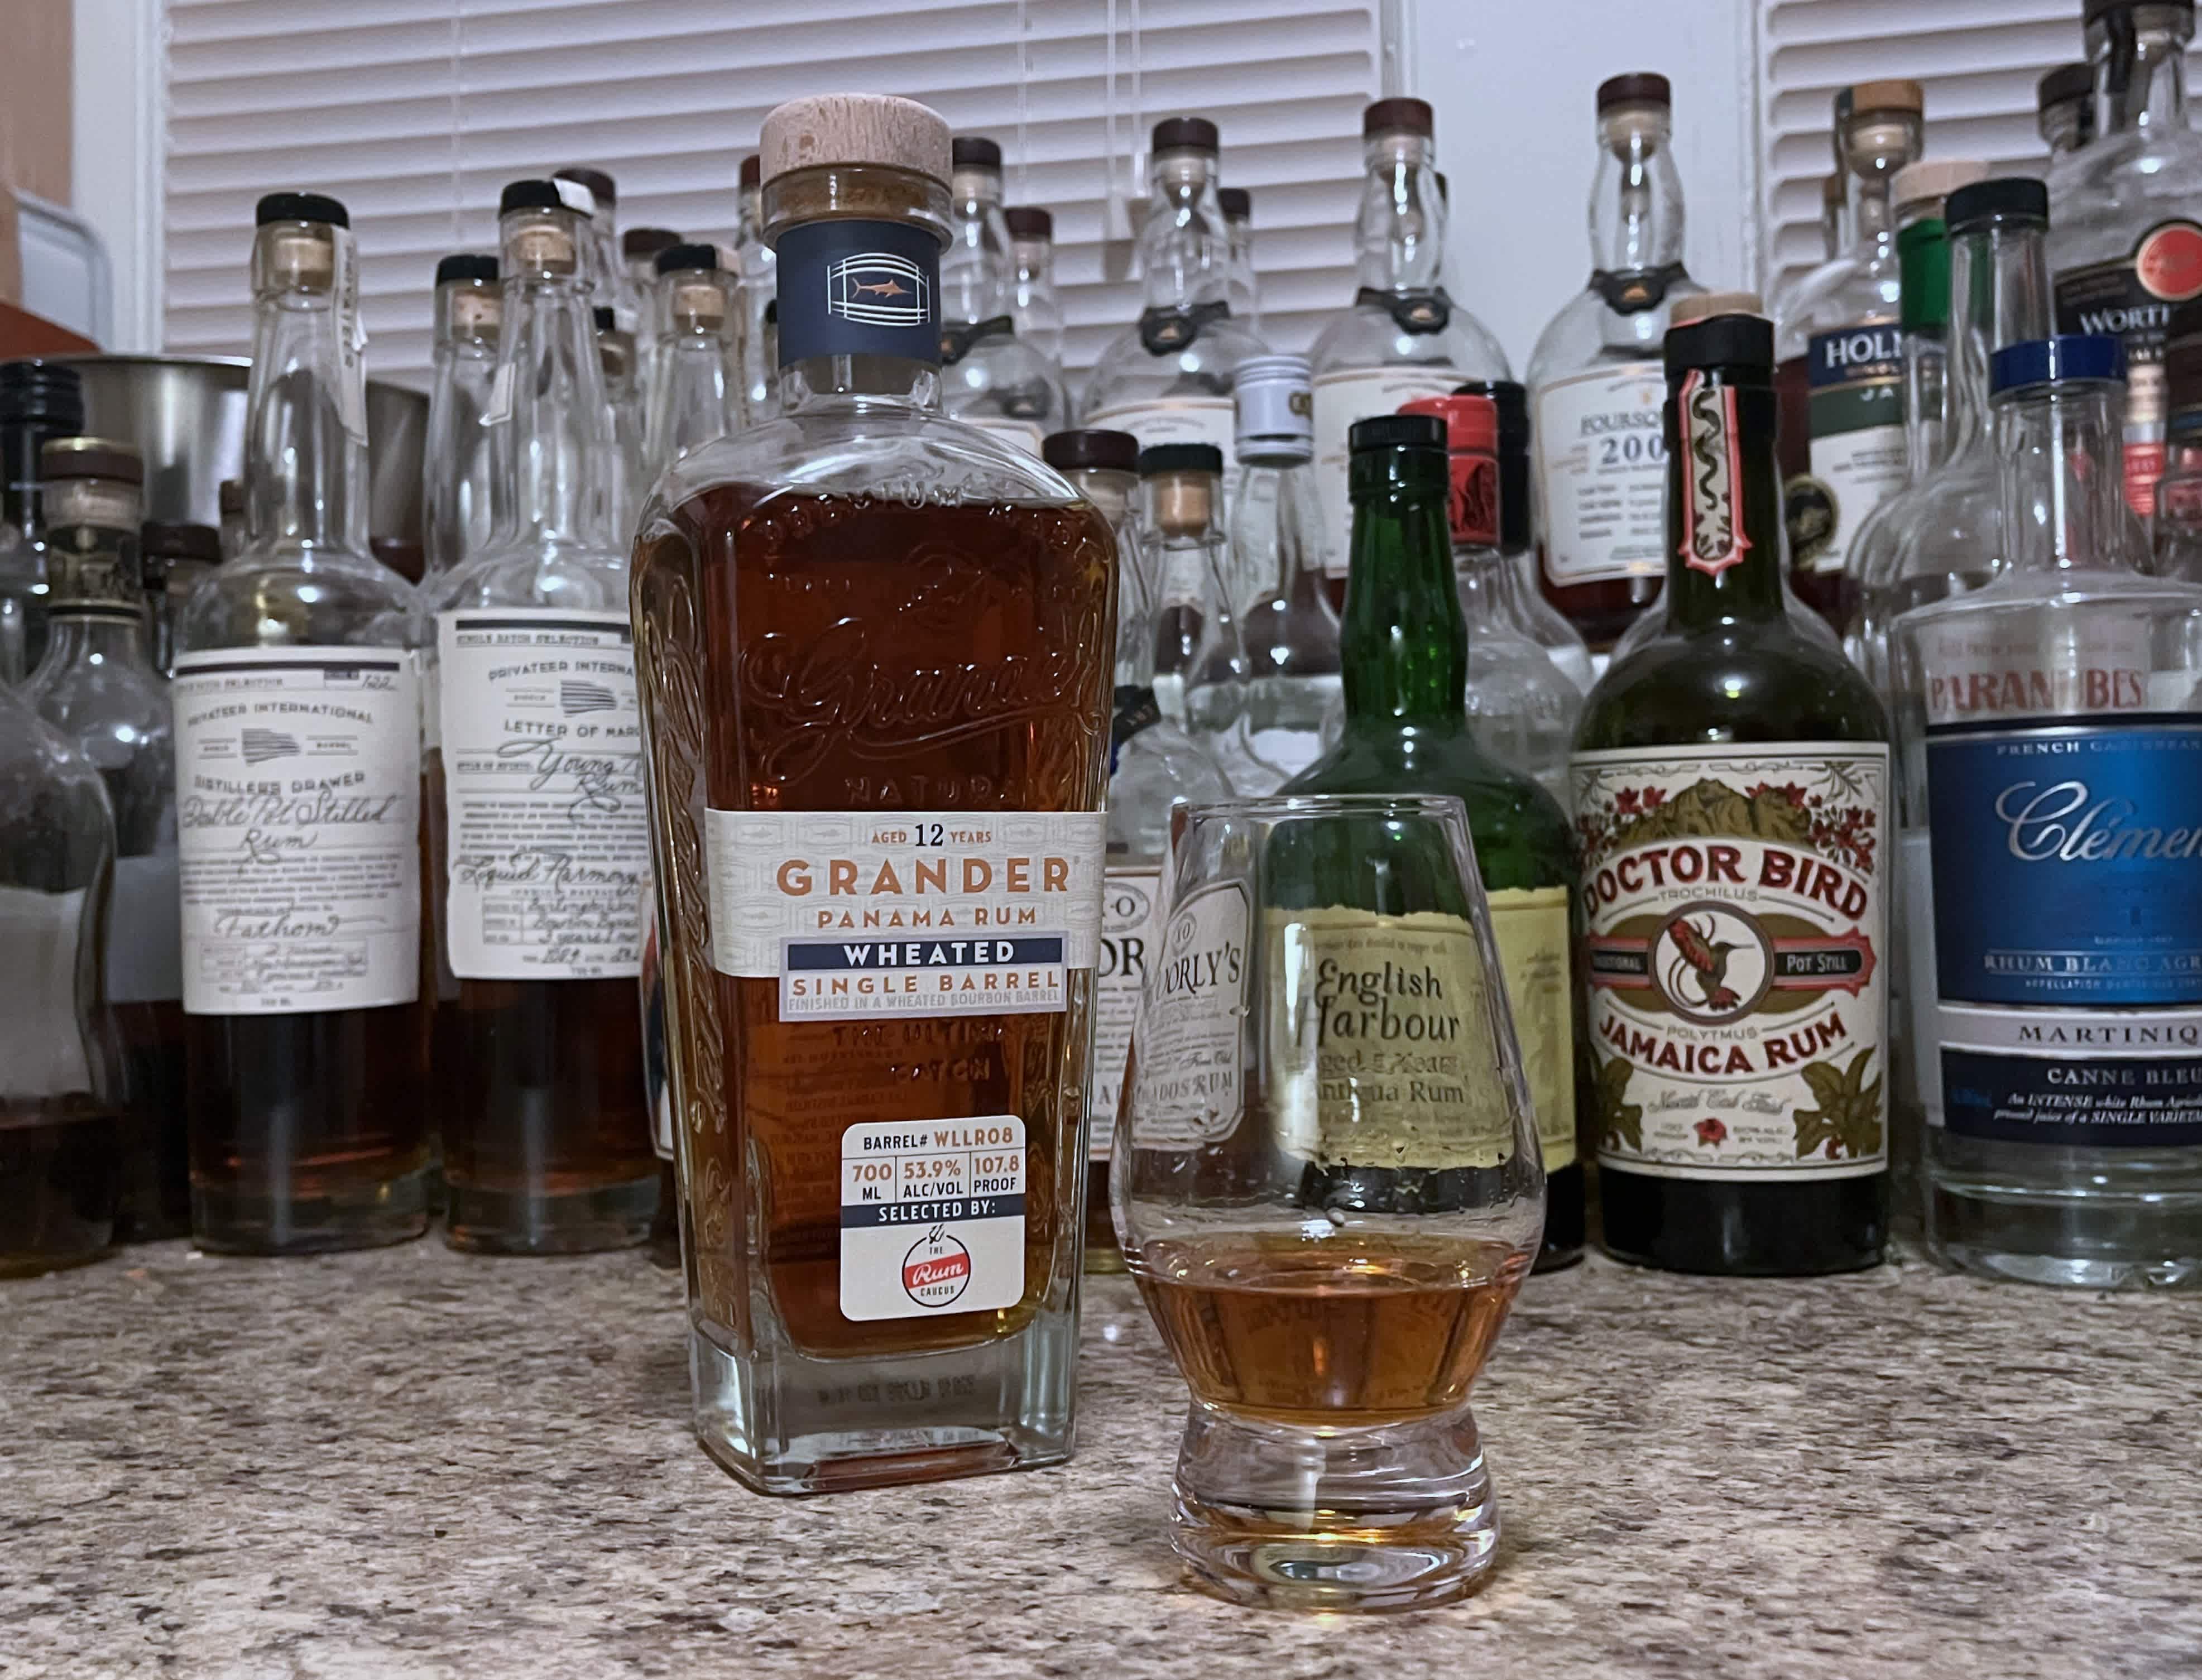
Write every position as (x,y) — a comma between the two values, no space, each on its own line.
(876,651)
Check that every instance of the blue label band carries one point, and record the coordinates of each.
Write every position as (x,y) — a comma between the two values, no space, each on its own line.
(859,288)
(2123,1103)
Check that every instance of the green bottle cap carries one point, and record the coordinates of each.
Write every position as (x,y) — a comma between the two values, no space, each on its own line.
(1923,258)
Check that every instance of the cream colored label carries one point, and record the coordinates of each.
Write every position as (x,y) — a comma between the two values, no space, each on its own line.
(1530,927)
(1602,466)
(1188,1086)
(1131,926)
(1341,398)
(1382,1040)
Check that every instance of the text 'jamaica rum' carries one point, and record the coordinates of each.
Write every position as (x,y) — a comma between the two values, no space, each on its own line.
(876,650)
(1731,784)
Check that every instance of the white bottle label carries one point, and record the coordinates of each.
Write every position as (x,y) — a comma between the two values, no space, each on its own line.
(1341,398)
(298,810)
(932,1217)
(1602,468)
(1176,419)
(864,913)
(1188,1088)
(546,840)
(145,931)
(1131,929)
(42,1042)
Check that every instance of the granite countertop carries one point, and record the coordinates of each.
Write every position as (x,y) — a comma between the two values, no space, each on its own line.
(413,1463)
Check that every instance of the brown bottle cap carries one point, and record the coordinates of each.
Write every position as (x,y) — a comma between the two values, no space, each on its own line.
(230,497)
(91,457)
(1640,88)
(1183,133)
(749,174)
(1029,221)
(855,128)
(1894,95)
(638,242)
(1395,116)
(1934,178)
(1704,305)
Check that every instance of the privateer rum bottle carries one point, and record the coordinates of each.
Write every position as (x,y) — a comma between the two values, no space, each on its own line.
(539,841)
(1405,646)
(2051,740)
(1731,777)
(876,648)
(299,801)
(97,686)
(1595,377)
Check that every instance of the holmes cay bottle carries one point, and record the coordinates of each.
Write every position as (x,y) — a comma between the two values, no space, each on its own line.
(879,731)
(1731,778)
(299,801)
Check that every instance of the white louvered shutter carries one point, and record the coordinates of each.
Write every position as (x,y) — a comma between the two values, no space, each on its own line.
(415,113)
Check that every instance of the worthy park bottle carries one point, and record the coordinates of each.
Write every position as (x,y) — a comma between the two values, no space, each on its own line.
(1402,337)
(539,844)
(1731,779)
(459,468)
(1841,362)
(97,687)
(990,376)
(1168,378)
(297,730)
(1595,378)
(1405,652)
(2050,733)
(879,730)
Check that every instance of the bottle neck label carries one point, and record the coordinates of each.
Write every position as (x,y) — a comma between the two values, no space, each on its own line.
(1164,331)
(1635,291)
(1417,313)
(1712,476)
(859,288)
(958,338)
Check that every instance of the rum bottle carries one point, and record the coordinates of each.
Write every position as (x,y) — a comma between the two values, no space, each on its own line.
(754,287)
(1037,306)
(1245,286)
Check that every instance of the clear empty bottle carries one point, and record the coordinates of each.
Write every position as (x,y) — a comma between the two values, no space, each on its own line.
(756,270)
(2064,110)
(1037,308)
(610,286)
(628,463)
(639,251)
(1515,590)
(458,467)
(1246,289)
(696,389)
(38,400)
(989,375)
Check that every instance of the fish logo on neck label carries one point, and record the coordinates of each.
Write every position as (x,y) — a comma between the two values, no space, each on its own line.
(880,289)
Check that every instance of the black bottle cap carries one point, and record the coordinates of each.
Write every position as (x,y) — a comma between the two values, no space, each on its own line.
(1396,431)
(2006,198)
(604,318)
(2068,356)
(1730,342)
(600,184)
(686,257)
(230,497)
(752,171)
(974,151)
(646,241)
(533,195)
(45,396)
(1178,458)
(1238,203)
(1095,450)
(1512,399)
(1640,88)
(466,265)
(1397,116)
(1183,133)
(1029,221)
(162,540)
(301,207)
(2096,10)
(91,457)
(2065,83)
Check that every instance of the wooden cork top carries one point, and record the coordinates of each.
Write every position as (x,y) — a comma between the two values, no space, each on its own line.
(855,128)
(1886,96)
(1704,305)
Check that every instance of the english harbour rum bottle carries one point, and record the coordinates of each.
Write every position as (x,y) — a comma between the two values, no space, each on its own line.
(1841,359)
(1595,377)
(538,840)
(1731,778)
(1405,651)
(97,687)
(878,728)
(461,471)
(299,801)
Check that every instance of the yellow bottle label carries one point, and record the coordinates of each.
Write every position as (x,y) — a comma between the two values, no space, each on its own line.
(1530,925)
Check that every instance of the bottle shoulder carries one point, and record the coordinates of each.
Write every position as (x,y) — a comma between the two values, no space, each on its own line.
(1127,371)
(1756,682)
(532,574)
(1523,837)
(1589,335)
(2116,591)
(271,596)
(1854,289)
(2118,187)
(1365,335)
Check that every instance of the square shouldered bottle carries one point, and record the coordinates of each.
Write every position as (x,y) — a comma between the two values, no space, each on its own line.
(297,732)
(2051,731)
(876,647)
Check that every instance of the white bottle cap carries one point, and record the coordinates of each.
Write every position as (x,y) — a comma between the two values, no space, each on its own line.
(1276,408)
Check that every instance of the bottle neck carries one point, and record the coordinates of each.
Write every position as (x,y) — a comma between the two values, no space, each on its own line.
(1403,644)
(1292,510)
(1724,534)
(2062,450)
(1926,430)
(1636,201)
(1183,250)
(95,635)
(305,466)
(1035,263)
(977,276)
(2143,80)
(19,476)
(1479,573)
(558,433)
(1998,296)
(1872,219)
(1401,227)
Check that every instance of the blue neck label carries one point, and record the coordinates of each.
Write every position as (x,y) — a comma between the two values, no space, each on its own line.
(859,288)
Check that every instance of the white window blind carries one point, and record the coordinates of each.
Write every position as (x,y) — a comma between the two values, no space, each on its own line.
(1977,61)
(415,112)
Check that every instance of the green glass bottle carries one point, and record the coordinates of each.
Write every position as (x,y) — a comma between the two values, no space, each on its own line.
(1731,788)
(1403,648)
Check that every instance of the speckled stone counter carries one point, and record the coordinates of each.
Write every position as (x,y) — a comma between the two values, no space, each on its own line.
(411,1463)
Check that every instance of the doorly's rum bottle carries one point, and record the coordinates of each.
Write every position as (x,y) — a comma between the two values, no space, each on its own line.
(299,801)
(1731,782)
(876,647)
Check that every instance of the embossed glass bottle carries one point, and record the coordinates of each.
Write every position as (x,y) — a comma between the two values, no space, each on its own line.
(2051,732)
(459,467)
(989,375)
(876,649)
(297,744)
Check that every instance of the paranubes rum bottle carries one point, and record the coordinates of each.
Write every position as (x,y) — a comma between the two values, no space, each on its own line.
(876,648)
(1731,783)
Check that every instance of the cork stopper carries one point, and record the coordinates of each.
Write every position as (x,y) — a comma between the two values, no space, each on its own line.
(1934,178)
(1894,95)
(1182,503)
(1704,305)
(855,128)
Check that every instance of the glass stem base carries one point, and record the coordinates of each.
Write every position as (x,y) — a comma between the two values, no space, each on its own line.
(1397,1517)
(227,1219)
(480,1220)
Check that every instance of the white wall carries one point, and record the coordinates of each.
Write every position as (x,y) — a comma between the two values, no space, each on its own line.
(1512,83)
(116,140)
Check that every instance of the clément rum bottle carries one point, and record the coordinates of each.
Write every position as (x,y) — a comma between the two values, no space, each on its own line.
(876,647)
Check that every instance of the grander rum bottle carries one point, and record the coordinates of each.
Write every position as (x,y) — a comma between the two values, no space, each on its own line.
(876,648)
(1405,645)
(299,801)
(538,836)
(1731,777)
